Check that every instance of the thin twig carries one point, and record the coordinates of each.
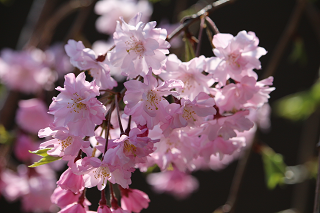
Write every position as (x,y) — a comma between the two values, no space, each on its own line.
(187,21)
(313,14)
(108,126)
(202,22)
(56,18)
(237,180)
(80,21)
(212,25)
(118,115)
(285,38)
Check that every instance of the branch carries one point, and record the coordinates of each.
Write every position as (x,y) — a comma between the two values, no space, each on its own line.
(237,180)
(65,10)
(187,21)
(286,35)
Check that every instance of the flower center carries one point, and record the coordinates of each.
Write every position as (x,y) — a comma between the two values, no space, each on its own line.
(129,148)
(65,143)
(135,45)
(232,60)
(152,100)
(102,172)
(188,83)
(77,105)
(188,114)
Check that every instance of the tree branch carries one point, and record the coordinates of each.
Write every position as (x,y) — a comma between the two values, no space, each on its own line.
(187,21)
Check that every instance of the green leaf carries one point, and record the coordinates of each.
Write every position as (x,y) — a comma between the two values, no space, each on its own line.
(274,167)
(300,105)
(5,136)
(45,157)
(189,52)
(298,53)
(153,168)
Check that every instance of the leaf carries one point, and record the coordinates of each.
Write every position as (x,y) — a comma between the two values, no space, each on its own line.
(274,167)
(45,157)
(5,136)
(189,52)
(153,168)
(298,53)
(300,105)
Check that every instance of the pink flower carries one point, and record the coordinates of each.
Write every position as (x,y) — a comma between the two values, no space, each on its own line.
(178,148)
(226,126)
(22,146)
(64,144)
(73,208)
(57,59)
(139,47)
(175,182)
(134,200)
(77,107)
(188,113)
(235,96)
(25,71)
(69,180)
(147,97)
(115,167)
(63,197)
(111,10)
(32,115)
(33,185)
(235,56)
(221,147)
(103,209)
(86,59)
(190,73)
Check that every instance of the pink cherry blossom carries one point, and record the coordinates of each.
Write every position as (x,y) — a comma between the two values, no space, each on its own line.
(221,147)
(188,113)
(147,97)
(25,71)
(64,144)
(23,144)
(33,185)
(139,47)
(32,115)
(73,208)
(175,182)
(57,59)
(190,73)
(77,107)
(63,197)
(111,10)
(134,200)
(86,59)
(226,126)
(70,181)
(235,56)
(103,209)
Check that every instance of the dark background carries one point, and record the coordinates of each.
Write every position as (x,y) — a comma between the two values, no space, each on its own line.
(268,20)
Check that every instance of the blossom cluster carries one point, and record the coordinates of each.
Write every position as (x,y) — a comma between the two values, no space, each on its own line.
(180,116)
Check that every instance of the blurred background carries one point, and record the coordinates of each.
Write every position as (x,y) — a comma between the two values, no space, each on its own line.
(289,30)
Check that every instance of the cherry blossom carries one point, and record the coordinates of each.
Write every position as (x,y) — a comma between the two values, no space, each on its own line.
(25,71)
(86,59)
(32,115)
(134,200)
(139,47)
(77,107)
(111,10)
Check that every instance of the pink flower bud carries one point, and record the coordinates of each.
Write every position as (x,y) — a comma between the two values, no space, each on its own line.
(71,181)
(63,197)
(134,200)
